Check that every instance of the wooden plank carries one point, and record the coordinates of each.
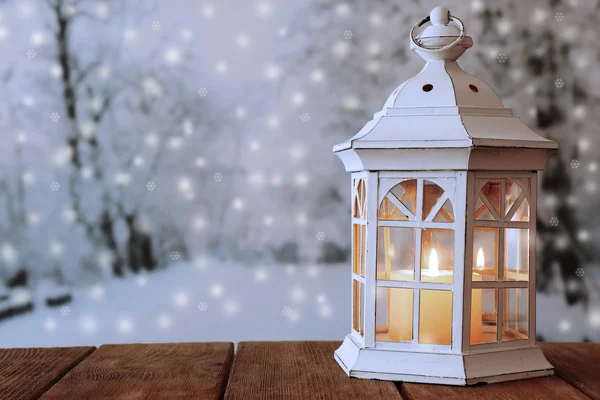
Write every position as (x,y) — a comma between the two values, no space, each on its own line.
(27,373)
(550,387)
(145,371)
(297,370)
(576,363)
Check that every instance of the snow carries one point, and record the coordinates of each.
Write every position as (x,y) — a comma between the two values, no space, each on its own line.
(187,303)
(225,302)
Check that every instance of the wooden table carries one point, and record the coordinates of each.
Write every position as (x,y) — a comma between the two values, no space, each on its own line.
(258,370)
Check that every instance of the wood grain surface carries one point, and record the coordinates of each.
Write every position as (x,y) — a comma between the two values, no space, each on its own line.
(576,363)
(27,373)
(261,370)
(550,387)
(149,371)
(298,370)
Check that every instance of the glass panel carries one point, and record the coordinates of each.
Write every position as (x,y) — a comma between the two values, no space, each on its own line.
(363,250)
(491,190)
(516,256)
(435,317)
(406,192)
(359,190)
(394,315)
(358,299)
(431,195)
(522,213)
(482,212)
(356,248)
(484,327)
(446,213)
(437,255)
(512,191)
(388,211)
(395,253)
(485,253)
(515,321)
(362,193)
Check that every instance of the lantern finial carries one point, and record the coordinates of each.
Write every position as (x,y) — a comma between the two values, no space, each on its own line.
(444,40)
(439,16)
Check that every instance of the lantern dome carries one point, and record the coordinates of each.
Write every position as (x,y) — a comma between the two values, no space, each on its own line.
(442,107)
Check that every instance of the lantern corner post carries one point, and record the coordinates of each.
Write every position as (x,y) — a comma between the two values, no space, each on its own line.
(371,258)
(471,190)
(533,187)
(461,320)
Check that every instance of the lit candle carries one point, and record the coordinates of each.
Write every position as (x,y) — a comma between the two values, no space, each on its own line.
(476,302)
(435,320)
(480,259)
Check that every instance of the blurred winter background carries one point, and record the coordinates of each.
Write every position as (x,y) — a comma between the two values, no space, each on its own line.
(166,167)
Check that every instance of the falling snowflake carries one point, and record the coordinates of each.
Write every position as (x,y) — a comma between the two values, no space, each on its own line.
(181,299)
(156,25)
(305,117)
(54,117)
(55,186)
(580,272)
(348,34)
(559,83)
(263,9)
(218,177)
(164,321)
(502,58)
(50,324)
(564,325)
(175,255)
(88,325)
(202,92)
(554,221)
(559,16)
(216,290)
(31,53)
(124,325)
(231,307)
(321,235)
(574,163)
(325,311)
(151,186)
(65,310)
(208,11)
(273,71)
(242,40)
(287,311)
(260,275)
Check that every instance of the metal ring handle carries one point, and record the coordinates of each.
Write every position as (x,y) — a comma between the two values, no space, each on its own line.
(463,33)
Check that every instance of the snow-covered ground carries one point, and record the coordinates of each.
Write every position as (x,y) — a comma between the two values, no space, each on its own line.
(190,302)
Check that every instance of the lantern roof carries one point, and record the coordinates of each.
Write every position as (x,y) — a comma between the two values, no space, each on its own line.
(443,106)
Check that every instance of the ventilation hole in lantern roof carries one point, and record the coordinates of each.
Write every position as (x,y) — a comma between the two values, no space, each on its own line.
(473,88)
(428,87)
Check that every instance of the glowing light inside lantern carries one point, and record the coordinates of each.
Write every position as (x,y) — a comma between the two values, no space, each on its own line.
(434,263)
(480,259)
(392,251)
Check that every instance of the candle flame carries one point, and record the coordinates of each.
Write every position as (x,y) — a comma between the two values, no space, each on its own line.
(480,259)
(391,251)
(434,263)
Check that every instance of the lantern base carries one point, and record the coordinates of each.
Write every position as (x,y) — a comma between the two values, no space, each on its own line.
(441,368)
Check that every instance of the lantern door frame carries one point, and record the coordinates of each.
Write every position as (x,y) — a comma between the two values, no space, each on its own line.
(476,180)
(359,208)
(454,184)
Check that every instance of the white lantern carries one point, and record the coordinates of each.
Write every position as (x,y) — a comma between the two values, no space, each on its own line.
(444,183)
